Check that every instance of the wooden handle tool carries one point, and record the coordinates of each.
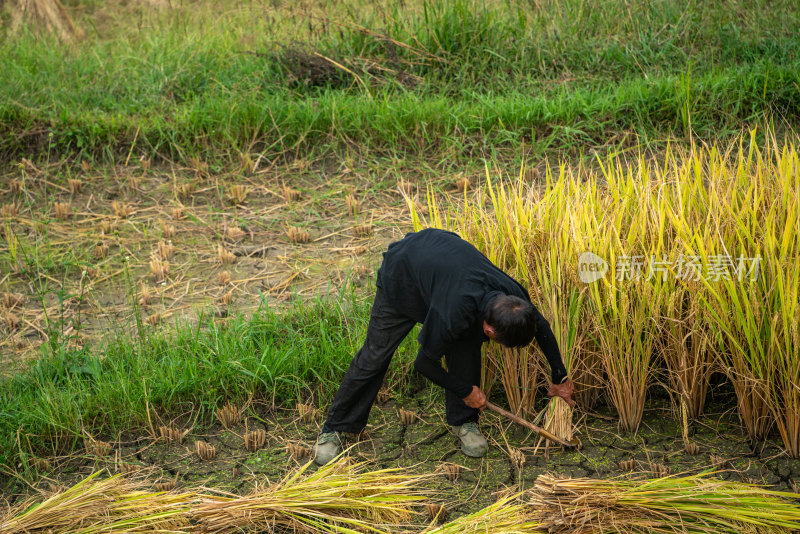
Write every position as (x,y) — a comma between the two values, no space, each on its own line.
(573,443)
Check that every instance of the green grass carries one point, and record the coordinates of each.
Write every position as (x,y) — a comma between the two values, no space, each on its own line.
(280,357)
(489,76)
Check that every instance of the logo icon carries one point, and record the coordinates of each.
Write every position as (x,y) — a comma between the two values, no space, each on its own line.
(591,267)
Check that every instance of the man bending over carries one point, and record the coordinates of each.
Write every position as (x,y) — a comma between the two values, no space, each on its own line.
(436,278)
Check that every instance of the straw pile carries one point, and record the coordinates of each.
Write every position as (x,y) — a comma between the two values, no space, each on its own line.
(115,504)
(506,516)
(338,497)
(670,505)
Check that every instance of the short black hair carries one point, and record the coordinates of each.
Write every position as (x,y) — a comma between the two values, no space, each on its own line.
(513,320)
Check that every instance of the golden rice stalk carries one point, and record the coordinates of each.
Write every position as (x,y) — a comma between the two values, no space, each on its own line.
(167,229)
(9,210)
(353,204)
(290,194)
(696,504)
(62,210)
(121,210)
(407,417)
(75,186)
(308,412)
(107,226)
(229,415)
(13,322)
(40,464)
(199,166)
(362,230)
(336,498)
(50,16)
(384,394)
(205,450)
(234,233)
(226,298)
(144,294)
(451,471)
(717,461)
(165,249)
(297,451)
(97,447)
(628,465)
(159,269)
(558,419)
(172,434)
(517,458)
(12,300)
(506,516)
(132,185)
(238,193)
(224,256)
(224,278)
(100,250)
(255,439)
(405,187)
(297,235)
(687,354)
(94,505)
(436,512)
(517,369)
(168,484)
(248,166)
(463,185)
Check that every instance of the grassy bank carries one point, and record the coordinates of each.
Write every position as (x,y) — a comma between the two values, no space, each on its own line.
(467,78)
(69,394)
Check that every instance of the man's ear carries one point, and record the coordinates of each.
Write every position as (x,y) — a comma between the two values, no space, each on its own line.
(489,331)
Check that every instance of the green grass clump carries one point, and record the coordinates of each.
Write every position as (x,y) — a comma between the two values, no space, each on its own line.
(399,78)
(47,408)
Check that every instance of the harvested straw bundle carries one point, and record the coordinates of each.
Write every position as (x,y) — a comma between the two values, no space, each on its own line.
(506,516)
(114,504)
(338,497)
(670,505)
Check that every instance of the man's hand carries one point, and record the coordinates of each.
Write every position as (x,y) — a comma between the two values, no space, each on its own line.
(564,390)
(476,399)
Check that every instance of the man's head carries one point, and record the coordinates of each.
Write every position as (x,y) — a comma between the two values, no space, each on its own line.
(510,321)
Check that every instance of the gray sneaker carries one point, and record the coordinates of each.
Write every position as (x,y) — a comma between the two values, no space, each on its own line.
(327,448)
(472,442)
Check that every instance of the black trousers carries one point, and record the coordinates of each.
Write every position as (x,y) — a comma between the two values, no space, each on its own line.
(387,328)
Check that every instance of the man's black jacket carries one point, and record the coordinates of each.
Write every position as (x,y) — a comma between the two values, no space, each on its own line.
(445,283)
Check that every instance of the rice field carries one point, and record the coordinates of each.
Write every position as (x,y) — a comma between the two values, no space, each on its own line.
(194,199)
(698,262)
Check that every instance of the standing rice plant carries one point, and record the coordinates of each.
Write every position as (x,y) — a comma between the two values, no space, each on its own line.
(340,497)
(677,237)
(687,356)
(696,504)
(115,504)
(755,307)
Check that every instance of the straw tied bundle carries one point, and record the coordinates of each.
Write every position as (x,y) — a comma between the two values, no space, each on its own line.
(670,505)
